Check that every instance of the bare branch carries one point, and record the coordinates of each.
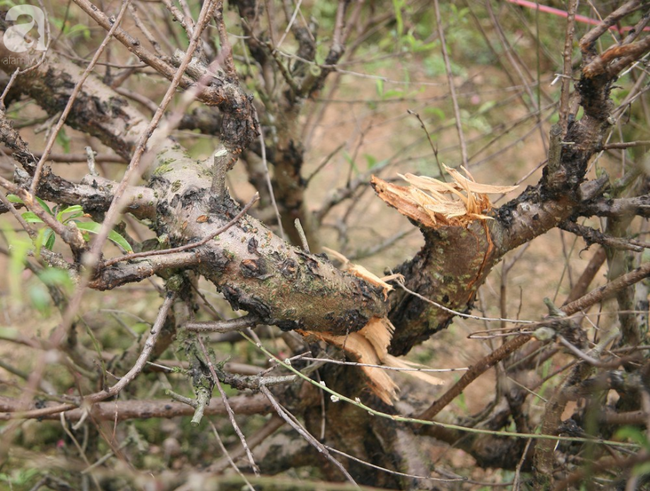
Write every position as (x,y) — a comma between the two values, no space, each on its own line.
(136,409)
(304,433)
(567,69)
(452,88)
(75,92)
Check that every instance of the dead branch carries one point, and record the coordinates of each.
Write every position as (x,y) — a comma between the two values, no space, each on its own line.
(138,409)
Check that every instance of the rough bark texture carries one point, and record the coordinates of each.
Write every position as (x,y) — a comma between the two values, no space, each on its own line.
(452,278)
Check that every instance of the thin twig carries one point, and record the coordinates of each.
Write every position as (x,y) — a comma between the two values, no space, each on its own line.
(134,409)
(179,17)
(188,17)
(140,363)
(588,275)
(608,289)
(584,356)
(305,434)
(134,170)
(229,457)
(283,70)
(229,325)
(140,25)
(434,149)
(267,175)
(80,449)
(132,173)
(473,373)
(121,384)
(461,314)
(567,68)
(466,429)
(323,163)
(70,233)
(10,206)
(267,430)
(385,244)
(70,158)
(289,25)
(452,88)
(640,143)
(226,48)
(10,83)
(592,235)
(302,235)
(509,347)
(396,473)
(512,57)
(383,367)
(33,189)
(231,413)
(515,481)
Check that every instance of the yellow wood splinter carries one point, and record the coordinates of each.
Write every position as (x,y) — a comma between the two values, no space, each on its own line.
(361,272)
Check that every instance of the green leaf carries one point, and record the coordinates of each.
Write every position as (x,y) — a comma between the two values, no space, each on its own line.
(373,162)
(397,6)
(45,238)
(31,217)
(389,94)
(425,47)
(435,111)
(634,434)
(50,238)
(39,298)
(140,327)
(75,210)
(19,247)
(380,87)
(486,106)
(44,205)
(14,199)
(94,228)
(79,29)
(56,277)
(21,477)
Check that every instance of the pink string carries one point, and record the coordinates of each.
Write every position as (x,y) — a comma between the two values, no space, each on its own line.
(562,13)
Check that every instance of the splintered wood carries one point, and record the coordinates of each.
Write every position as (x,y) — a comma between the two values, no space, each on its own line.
(434,203)
(363,273)
(369,346)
